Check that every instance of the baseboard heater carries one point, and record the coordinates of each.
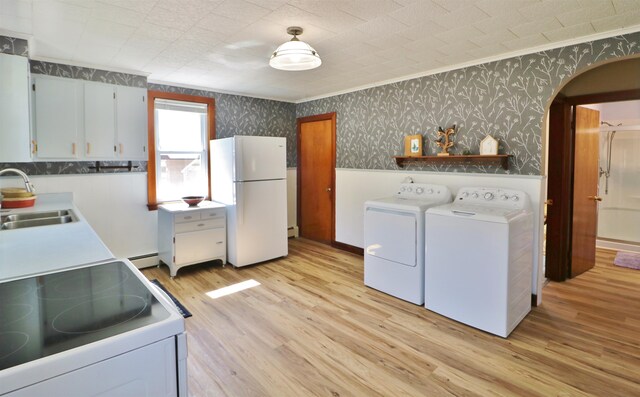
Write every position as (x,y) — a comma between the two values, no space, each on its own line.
(148,260)
(292,231)
(142,261)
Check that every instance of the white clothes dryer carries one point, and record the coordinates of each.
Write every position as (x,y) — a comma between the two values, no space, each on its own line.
(479,258)
(394,239)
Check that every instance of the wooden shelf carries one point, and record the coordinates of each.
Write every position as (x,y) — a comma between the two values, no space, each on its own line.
(503,159)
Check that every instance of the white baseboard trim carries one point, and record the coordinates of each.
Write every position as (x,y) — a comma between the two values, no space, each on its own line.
(293,232)
(147,261)
(617,245)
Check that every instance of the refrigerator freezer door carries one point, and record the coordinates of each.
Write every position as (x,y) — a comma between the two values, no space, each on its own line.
(260,158)
(222,170)
(257,224)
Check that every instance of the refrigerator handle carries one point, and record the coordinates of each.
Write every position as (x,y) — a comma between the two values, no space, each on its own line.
(240,202)
(239,159)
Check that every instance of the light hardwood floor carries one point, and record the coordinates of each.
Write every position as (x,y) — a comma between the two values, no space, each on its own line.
(311,328)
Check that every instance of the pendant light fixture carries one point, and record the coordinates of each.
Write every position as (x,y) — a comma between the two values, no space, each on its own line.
(295,54)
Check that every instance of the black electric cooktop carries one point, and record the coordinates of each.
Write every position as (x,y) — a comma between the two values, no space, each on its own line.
(45,315)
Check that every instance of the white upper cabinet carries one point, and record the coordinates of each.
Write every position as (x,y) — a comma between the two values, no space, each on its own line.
(87,120)
(57,117)
(15,140)
(99,121)
(131,118)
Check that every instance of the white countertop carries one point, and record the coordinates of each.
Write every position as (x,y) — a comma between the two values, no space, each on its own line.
(40,249)
(183,207)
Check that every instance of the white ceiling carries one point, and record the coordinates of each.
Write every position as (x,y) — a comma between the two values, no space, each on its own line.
(224,45)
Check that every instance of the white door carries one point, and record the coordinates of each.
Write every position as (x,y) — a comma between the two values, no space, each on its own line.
(149,371)
(261,221)
(99,120)
(199,246)
(391,235)
(131,118)
(15,142)
(260,158)
(56,117)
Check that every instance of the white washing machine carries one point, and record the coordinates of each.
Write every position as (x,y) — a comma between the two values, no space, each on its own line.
(394,239)
(479,259)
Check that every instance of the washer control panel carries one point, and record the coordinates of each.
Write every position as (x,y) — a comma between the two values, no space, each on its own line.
(493,197)
(422,191)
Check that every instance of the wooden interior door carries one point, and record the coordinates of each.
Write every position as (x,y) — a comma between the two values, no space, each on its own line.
(559,194)
(316,177)
(561,173)
(585,190)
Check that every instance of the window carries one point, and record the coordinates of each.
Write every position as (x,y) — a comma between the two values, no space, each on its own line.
(181,141)
(180,127)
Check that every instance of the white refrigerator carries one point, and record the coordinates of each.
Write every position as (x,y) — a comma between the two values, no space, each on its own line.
(248,175)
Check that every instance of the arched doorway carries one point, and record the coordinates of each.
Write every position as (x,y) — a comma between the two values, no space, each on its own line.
(611,82)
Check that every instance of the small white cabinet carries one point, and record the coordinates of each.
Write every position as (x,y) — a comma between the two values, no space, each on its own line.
(131,117)
(15,141)
(99,121)
(57,103)
(190,235)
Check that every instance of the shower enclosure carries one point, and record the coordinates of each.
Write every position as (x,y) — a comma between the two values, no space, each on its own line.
(619,186)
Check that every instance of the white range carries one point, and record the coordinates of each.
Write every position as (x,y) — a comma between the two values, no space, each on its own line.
(76,322)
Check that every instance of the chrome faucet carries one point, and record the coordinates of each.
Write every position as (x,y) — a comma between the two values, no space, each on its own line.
(25,178)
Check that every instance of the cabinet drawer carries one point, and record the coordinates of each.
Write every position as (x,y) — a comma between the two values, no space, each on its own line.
(212,213)
(199,225)
(187,216)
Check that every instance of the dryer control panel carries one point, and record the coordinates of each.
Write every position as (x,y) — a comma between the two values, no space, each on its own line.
(493,197)
(416,191)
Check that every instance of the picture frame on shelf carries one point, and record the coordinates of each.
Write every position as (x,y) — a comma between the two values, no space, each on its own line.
(489,146)
(413,145)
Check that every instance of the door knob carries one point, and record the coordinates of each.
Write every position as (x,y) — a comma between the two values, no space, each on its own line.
(549,202)
(596,198)
(328,189)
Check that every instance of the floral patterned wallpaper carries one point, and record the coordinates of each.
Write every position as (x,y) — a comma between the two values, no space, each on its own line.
(13,46)
(235,115)
(75,167)
(241,115)
(80,73)
(506,99)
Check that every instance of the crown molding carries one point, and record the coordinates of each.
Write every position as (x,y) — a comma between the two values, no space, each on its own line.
(475,62)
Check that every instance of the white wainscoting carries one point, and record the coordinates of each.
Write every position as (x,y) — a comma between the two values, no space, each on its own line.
(292,207)
(116,207)
(354,187)
(115,204)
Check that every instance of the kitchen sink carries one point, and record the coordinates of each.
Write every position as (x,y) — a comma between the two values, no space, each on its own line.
(36,215)
(32,219)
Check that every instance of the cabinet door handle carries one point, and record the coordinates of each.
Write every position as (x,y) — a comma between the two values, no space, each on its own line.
(200,224)
(220,242)
(187,217)
(34,147)
(121,148)
(88,148)
(73,148)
